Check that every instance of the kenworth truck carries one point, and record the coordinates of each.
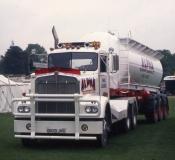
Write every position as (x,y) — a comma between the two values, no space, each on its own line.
(89,87)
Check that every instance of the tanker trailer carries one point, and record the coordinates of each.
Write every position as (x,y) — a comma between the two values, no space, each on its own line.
(88,87)
(135,71)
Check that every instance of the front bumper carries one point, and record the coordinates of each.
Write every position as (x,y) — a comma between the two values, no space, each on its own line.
(61,129)
(75,126)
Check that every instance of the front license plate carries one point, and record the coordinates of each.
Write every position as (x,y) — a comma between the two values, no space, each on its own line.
(61,130)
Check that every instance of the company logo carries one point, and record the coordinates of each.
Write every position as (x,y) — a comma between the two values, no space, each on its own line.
(147,66)
(87,84)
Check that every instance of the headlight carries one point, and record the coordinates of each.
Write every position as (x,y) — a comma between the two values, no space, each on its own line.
(91,109)
(23,109)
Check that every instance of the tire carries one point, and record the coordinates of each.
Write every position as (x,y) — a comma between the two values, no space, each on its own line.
(165,108)
(102,139)
(165,113)
(154,115)
(134,116)
(126,123)
(160,110)
(134,121)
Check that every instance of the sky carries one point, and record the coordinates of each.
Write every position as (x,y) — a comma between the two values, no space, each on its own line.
(151,22)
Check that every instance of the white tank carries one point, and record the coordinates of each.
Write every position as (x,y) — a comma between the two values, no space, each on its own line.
(138,64)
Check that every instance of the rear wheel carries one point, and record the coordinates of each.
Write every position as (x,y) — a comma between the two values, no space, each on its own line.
(165,107)
(160,110)
(126,123)
(154,115)
(134,121)
(165,113)
(134,116)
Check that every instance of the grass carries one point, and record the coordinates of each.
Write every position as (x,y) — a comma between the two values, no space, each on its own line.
(146,142)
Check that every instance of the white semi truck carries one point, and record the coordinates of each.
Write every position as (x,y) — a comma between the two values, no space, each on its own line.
(88,87)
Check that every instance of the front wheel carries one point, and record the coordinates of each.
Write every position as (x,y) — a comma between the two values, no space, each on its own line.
(103,138)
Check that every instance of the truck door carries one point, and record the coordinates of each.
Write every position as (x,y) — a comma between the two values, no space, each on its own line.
(104,82)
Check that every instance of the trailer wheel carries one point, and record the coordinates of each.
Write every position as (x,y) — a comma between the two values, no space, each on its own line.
(160,110)
(165,107)
(102,139)
(154,115)
(165,113)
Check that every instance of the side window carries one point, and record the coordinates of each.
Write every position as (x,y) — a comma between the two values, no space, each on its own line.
(115,64)
(102,64)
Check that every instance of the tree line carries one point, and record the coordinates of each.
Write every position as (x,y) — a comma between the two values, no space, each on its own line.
(168,63)
(18,61)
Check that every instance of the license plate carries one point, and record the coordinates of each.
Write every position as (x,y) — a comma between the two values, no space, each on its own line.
(61,130)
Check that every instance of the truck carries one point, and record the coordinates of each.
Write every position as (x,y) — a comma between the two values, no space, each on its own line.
(91,87)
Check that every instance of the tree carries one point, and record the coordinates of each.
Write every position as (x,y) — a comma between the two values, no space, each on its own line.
(14,61)
(38,49)
(35,53)
(168,62)
(1,65)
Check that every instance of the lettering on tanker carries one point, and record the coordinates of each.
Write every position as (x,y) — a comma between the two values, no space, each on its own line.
(147,66)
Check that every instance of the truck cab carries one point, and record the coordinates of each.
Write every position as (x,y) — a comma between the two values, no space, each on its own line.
(69,99)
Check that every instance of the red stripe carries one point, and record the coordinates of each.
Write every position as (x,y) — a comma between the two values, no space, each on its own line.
(64,70)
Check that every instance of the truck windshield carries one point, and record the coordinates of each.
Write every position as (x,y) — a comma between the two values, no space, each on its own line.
(84,61)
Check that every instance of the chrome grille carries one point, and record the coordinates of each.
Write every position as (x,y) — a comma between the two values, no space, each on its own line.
(56,84)
(55,107)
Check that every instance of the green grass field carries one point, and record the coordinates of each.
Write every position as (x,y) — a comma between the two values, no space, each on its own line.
(146,142)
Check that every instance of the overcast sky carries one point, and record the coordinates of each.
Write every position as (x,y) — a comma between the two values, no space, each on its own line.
(151,22)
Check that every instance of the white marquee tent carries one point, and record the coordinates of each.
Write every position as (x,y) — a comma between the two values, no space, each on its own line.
(9,90)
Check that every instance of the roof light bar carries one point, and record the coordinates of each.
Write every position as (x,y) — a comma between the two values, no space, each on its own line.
(78,45)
